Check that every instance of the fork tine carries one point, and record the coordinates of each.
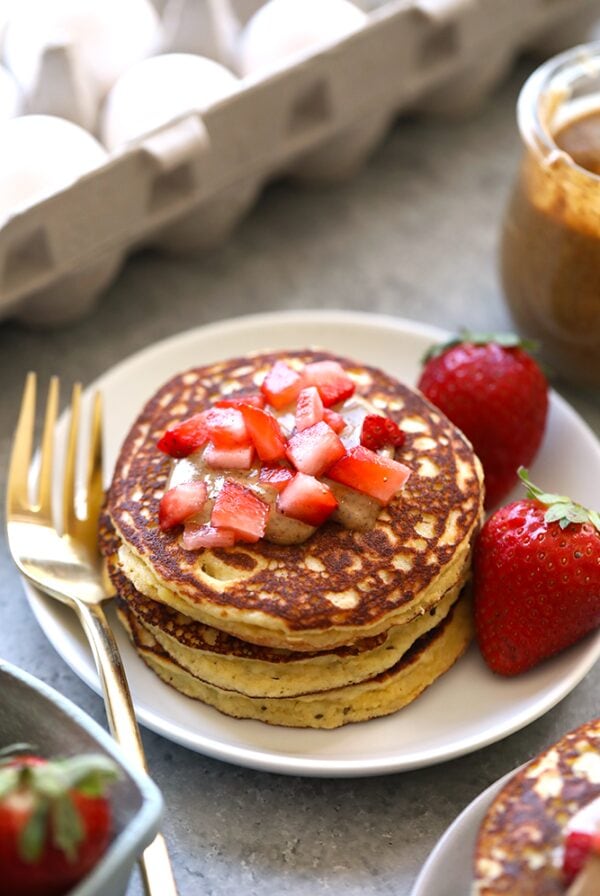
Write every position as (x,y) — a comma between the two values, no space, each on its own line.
(94,483)
(69,514)
(47,450)
(17,492)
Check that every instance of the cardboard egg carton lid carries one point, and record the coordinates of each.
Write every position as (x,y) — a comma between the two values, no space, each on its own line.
(441,56)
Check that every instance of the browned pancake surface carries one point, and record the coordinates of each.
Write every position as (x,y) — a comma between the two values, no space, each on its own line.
(522,834)
(337,577)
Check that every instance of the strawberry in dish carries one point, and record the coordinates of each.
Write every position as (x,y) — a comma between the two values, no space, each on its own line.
(55,820)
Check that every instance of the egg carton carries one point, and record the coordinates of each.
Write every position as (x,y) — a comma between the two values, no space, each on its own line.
(185,186)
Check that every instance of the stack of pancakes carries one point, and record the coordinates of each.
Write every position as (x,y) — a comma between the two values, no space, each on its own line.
(521,840)
(348,625)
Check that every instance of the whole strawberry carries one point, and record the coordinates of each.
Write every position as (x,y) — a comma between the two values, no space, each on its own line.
(55,821)
(536,579)
(497,395)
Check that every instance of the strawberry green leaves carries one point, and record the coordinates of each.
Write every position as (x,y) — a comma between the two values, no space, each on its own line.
(561,509)
(48,788)
(33,835)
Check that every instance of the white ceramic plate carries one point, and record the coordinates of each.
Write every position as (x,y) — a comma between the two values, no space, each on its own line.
(449,867)
(441,724)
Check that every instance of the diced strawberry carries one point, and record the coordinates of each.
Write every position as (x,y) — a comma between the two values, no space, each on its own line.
(265,433)
(239,509)
(256,399)
(195,537)
(229,458)
(227,428)
(281,385)
(377,476)
(307,499)
(180,502)
(578,846)
(331,380)
(309,408)
(186,437)
(314,449)
(335,420)
(381,432)
(275,476)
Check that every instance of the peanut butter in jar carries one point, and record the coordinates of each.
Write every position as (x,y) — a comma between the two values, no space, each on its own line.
(550,254)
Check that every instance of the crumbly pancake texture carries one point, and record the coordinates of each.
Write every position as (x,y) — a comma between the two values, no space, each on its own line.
(519,849)
(428,658)
(339,585)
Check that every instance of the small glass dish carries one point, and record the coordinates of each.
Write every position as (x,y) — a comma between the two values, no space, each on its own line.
(550,253)
(33,713)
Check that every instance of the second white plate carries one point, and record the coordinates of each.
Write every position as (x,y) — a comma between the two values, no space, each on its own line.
(449,868)
(466,709)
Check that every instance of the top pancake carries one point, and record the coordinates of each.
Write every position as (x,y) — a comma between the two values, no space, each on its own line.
(519,849)
(337,586)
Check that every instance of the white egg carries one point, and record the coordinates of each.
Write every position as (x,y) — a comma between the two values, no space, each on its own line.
(40,155)
(107,36)
(282,29)
(159,89)
(6,7)
(10,95)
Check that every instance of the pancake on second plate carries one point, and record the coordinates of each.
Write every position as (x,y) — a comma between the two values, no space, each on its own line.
(338,587)
(521,840)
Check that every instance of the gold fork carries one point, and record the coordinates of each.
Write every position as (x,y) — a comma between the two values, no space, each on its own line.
(65,564)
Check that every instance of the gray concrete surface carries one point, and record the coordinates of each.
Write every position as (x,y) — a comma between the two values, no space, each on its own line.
(414,235)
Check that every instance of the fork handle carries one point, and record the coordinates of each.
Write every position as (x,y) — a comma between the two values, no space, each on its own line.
(154,862)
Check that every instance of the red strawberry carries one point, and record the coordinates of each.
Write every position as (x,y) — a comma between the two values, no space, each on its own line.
(227,428)
(309,408)
(536,580)
(496,393)
(239,509)
(307,499)
(229,458)
(186,437)
(381,432)
(55,822)
(331,380)
(314,449)
(362,469)
(180,502)
(196,536)
(265,433)
(281,385)
(275,476)
(579,846)
(335,420)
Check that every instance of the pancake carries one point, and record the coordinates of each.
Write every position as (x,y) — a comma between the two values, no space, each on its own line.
(520,843)
(340,585)
(428,658)
(224,660)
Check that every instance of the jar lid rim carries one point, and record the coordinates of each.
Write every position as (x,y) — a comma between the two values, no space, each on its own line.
(555,75)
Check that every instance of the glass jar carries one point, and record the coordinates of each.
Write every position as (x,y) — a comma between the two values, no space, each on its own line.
(550,253)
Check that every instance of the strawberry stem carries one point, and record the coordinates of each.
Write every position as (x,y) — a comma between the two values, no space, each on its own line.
(561,509)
